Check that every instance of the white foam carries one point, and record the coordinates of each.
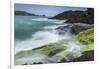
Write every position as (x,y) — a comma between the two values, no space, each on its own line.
(38,39)
(49,20)
(49,34)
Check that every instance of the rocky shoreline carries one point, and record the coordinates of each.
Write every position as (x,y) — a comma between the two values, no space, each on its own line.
(77,21)
(86,56)
(77,16)
(75,28)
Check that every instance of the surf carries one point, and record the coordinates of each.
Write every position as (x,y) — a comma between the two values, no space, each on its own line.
(46,37)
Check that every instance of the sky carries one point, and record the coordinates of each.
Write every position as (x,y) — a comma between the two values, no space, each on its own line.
(45,9)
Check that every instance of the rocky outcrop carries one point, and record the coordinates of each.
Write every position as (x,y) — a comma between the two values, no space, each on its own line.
(37,62)
(74,28)
(78,27)
(77,16)
(44,15)
(90,15)
(87,56)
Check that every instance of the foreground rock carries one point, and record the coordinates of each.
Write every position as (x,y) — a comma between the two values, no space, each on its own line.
(87,56)
(37,62)
(78,27)
(74,28)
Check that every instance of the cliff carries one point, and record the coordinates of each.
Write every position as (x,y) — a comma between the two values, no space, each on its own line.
(77,16)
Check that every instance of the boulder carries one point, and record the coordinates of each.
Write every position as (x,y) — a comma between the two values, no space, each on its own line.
(86,56)
(37,62)
(25,64)
(78,27)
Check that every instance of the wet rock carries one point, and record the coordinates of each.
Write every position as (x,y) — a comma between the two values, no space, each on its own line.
(34,63)
(40,63)
(74,28)
(52,53)
(37,62)
(63,29)
(25,64)
(87,56)
(78,27)
(63,60)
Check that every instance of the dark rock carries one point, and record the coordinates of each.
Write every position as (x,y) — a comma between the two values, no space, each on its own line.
(87,56)
(52,53)
(90,15)
(34,63)
(78,27)
(40,63)
(63,60)
(43,15)
(77,16)
(25,64)
(74,28)
(63,29)
(37,62)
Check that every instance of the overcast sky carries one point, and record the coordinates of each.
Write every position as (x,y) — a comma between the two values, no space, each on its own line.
(45,9)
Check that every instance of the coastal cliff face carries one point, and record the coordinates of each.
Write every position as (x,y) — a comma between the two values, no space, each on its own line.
(77,16)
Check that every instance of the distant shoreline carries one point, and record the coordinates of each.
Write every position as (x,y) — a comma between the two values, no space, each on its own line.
(24,13)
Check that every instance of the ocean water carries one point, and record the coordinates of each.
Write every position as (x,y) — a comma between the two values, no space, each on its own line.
(31,31)
(35,31)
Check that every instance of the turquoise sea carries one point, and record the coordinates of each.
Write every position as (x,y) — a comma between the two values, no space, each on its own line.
(35,31)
